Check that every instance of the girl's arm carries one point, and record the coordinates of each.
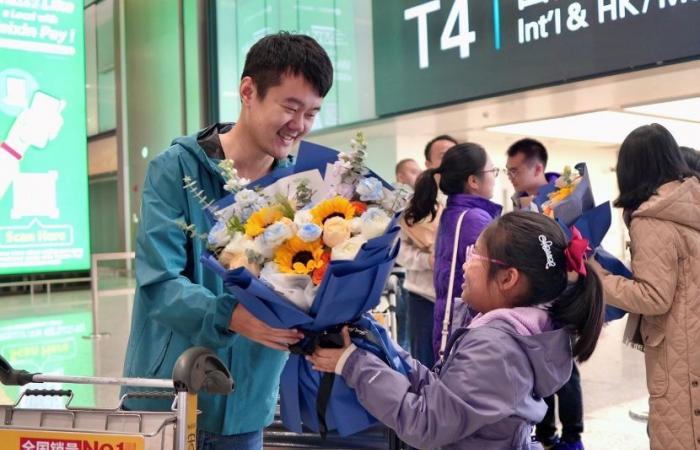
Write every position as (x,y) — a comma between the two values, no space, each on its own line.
(475,389)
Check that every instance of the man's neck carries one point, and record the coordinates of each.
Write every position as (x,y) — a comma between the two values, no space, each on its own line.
(536,189)
(251,161)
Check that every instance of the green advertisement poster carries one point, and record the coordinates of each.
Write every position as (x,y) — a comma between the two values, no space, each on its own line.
(50,345)
(44,221)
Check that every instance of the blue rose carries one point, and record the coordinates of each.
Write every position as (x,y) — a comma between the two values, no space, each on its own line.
(309,232)
(275,235)
(370,189)
(218,235)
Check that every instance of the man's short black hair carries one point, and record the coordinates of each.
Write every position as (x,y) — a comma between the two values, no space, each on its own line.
(442,137)
(283,52)
(532,149)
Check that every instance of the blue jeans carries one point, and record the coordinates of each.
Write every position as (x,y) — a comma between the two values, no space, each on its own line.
(402,331)
(246,441)
(420,328)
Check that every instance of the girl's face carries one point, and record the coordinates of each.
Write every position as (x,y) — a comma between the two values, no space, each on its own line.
(477,290)
(484,294)
(483,184)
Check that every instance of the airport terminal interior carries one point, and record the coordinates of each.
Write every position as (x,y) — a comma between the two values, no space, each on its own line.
(112,82)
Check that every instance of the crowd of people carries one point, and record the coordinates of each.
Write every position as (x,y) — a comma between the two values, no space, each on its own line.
(484,370)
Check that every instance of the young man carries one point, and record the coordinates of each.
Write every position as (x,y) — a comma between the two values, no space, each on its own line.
(179,303)
(436,148)
(526,165)
(527,161)
(407,171)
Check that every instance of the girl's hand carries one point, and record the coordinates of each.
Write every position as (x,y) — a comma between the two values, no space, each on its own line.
(326,359)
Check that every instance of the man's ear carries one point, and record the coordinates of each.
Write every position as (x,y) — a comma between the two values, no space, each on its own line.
(539,169)
(247,90)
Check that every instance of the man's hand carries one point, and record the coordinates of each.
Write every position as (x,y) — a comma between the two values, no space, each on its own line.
(245,324)
(326,359)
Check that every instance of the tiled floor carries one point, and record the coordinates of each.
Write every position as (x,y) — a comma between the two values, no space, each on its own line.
(46,334)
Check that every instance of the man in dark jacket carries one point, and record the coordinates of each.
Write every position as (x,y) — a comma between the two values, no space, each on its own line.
(526,165)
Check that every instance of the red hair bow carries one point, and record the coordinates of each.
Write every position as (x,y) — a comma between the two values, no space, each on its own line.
(575,253)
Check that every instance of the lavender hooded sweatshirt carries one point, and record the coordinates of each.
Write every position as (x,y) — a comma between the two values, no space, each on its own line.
(486,395)
(480,213)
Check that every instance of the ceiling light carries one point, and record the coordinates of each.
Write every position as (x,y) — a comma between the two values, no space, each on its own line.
(685,109)
(609,127)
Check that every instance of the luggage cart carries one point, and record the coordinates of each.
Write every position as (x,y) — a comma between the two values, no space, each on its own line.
(72,428)
(385,312)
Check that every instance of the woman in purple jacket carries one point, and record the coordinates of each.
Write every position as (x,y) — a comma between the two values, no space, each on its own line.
(467,177)
(540,305)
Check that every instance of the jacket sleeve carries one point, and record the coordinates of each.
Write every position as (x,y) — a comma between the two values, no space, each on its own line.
(411,257)
(419,375)
(449,408)
(654,248)
(163,255)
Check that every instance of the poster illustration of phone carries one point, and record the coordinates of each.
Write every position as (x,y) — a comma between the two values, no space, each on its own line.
(44,216)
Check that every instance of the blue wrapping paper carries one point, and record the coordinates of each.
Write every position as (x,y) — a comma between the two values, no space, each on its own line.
(348,290)
(592,221)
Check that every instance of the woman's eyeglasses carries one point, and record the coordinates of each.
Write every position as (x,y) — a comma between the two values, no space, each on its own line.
(495,170)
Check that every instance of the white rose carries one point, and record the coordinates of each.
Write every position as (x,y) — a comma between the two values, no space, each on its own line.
(239,243)
(303,217)
(356,225)
(348,249)
(373,223)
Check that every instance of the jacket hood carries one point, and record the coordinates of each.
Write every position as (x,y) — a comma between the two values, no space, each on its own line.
(191,144)
(676,202)
(209,161)
(547,348)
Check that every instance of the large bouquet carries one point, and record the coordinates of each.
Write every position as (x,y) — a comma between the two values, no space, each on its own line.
(311,247)
(569,201)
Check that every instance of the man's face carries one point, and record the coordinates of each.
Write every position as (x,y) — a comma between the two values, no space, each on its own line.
(523,174)
(437,151)
(408,173)
(284,116)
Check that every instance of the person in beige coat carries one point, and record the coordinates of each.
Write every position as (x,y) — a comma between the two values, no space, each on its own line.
(660,196)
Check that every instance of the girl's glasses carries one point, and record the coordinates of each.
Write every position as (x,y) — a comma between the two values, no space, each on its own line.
(495,170)
(473,255)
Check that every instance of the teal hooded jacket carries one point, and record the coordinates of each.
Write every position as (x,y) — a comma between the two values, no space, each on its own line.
(179,303)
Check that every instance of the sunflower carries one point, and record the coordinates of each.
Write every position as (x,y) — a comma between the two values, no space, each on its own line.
(261,219)
(298,257)
(333,207)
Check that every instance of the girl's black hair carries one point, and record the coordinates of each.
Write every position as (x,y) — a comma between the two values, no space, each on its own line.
(649,157)
(524,240)
(459,163)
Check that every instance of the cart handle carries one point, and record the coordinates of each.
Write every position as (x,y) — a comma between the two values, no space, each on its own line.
(198,368)
(12,377)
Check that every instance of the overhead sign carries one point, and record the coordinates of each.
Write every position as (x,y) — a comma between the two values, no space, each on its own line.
(430,53)
(44,221)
